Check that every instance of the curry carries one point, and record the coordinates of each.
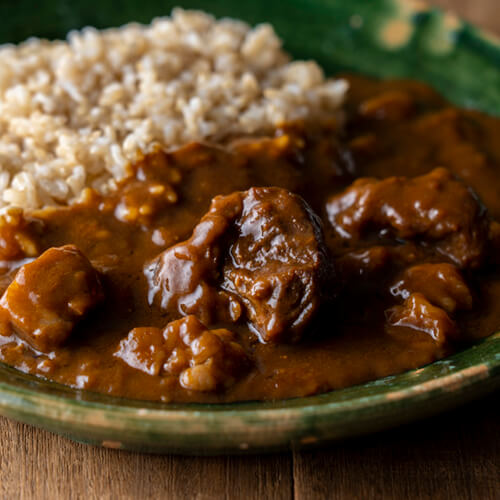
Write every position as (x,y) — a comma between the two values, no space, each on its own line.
(267,267)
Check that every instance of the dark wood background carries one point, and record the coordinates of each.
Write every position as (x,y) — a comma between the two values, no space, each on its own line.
(453,456)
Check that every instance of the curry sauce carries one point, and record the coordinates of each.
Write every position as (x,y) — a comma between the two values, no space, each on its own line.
(267,267)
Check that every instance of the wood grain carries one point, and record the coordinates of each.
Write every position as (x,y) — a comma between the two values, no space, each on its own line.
(454,456)
(484,13)
(36,464)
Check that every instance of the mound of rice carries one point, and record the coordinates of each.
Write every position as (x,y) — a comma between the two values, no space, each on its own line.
(74,114)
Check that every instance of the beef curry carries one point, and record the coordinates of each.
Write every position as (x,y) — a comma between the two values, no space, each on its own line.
(267,267)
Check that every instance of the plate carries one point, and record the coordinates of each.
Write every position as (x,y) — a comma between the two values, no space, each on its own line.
(382,38)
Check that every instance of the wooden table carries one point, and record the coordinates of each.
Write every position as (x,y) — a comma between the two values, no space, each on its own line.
(455,455)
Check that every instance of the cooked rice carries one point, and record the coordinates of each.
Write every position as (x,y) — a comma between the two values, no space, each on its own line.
(74,114)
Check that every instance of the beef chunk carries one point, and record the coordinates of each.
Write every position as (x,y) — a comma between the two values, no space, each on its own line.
(198,358)
(261,250)
(419,322)
(435,209)
(392,105)
(277,262)
(365,262)
(441,284)
(49,296)
(186,278)
(455,140)
(375,262)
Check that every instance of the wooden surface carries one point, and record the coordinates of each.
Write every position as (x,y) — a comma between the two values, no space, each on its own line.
(453,456)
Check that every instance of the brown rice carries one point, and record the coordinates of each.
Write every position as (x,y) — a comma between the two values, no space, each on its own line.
(75,113)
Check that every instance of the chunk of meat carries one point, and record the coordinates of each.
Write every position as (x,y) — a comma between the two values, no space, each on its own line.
(418,322)
(434,208)
(199,359)
(392,105)
(365,262)
(456,141)
(261,249)
(49,296)
(375,263)
(441,284)
(277,263)
(186,278)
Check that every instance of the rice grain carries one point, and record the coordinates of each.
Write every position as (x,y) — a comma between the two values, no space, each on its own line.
(76,113)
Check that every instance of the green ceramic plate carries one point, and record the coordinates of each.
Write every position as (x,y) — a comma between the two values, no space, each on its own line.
(378,37)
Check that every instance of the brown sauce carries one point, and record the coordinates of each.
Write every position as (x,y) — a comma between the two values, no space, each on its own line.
(406,286)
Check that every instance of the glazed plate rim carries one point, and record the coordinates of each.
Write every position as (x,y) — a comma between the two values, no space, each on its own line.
(253,426)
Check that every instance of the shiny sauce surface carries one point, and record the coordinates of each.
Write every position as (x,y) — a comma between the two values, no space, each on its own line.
(360,331)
